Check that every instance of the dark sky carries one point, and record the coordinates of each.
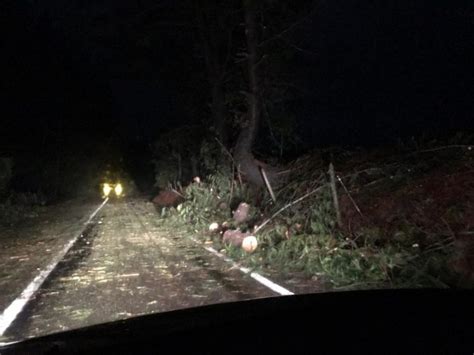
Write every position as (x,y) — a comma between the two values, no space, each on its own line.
(80,71)
(391,68)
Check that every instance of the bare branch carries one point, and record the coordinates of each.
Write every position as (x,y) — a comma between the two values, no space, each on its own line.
(267,184)
(288,29)
(288,206)
(468,147)
(225,150)
(350,197)
(335,198)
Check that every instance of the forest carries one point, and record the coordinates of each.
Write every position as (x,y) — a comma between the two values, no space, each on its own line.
(328,142)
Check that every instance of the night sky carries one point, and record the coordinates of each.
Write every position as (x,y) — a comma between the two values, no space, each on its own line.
(113,72)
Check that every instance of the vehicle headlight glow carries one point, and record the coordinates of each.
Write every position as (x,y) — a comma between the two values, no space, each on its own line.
(106,189)
(118,189)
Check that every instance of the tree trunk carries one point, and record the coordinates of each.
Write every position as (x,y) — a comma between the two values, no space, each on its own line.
(249,167)
(243,148)
(253,117)
(215,69)
(194,165)
(218,111)
(180,168)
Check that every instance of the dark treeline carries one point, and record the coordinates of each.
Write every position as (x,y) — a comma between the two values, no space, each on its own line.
(79,78)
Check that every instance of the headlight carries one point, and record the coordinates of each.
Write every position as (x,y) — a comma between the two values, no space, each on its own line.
(118,189)
(106,189)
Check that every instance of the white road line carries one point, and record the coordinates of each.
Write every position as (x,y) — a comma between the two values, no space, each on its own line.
(97,210)
(256,276)
(11,312)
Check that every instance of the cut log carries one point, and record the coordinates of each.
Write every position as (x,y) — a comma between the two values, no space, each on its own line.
(241,214)
(234,237)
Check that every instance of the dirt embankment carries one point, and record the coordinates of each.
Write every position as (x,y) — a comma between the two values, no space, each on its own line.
(425,198)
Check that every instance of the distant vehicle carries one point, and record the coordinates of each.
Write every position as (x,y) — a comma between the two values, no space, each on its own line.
(112,189)
(111,185)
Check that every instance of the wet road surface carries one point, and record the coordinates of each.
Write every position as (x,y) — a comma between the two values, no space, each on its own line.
(126,264)
(29,246)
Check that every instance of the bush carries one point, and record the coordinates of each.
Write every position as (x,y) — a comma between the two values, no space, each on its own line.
(6,172)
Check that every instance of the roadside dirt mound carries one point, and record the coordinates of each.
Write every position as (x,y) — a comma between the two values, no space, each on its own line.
(431,201)
(167,198)
(426,200)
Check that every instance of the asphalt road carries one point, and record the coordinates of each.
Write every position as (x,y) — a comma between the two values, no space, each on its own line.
(126,263)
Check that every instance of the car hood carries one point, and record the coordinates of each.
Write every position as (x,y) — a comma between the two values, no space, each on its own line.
(382,320)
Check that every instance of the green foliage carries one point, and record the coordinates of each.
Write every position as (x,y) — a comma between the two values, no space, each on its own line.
(175,154)
(319,249)
(303,238)
(166,169)
(18,206)
(211,157)
(6,173)
(208,201)
(343,263)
